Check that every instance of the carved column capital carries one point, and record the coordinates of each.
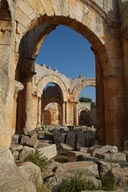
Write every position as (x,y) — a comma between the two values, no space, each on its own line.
(18,86)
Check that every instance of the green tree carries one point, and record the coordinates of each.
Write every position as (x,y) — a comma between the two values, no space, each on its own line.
(87,99)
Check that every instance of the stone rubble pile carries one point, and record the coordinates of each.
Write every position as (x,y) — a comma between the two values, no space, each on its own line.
(96,162)
(47,140)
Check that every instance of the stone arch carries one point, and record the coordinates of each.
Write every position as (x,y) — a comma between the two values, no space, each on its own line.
(83,116)
(56,112)
(47,117)
(81,85)
(52,79)
(84,17)
(53,13)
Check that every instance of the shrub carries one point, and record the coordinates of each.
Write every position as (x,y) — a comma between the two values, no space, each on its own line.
(40,187)
(77,183)
(35,158)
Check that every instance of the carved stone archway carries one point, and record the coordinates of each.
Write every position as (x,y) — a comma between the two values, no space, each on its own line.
(98,22)
(84,21)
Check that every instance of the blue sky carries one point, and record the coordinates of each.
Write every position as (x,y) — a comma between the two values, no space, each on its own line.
(67,51)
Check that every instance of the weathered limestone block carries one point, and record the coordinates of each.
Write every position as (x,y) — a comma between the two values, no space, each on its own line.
(71,139)
(44,143)
(78,156)
(56,7)
(79,11)
(50,171)
(89,140)
(5,37)
(16,147)
(15,139)
(58,137)
(11,179)
(27,9)
(25,152)
(32,142)
(16,155)
(83,149)
(63,148)
(72,7)
(40,135)
(104,149)
(68,170)
(33,171)
(64,7)
(24,139)
(22,18)
(120,175)
(112,156)
(80,139)
(48,7)
(93,148)
(105,167)
(37,6)
(49,151)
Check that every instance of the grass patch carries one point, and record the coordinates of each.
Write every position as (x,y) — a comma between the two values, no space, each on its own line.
(40,187)
(61,158)
(108,183)
(38,160)
(77,183)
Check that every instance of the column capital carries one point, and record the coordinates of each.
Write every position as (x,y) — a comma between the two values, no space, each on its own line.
(18,86)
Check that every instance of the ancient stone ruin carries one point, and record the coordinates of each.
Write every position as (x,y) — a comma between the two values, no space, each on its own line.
(24,25)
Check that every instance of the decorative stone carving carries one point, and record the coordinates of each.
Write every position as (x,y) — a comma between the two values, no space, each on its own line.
(18,86)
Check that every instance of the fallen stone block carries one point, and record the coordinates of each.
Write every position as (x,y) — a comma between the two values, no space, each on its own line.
(32,141)
(15,139)
(33,171)
(87,168)
(24,139)
(16,147)
(103,149)
(111,156)
(11,179)
(25,152)
(49,151)
(63,148)
(78,156)
(71,139)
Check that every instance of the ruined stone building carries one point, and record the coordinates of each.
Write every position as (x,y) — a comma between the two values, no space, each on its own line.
(57,103)
(24,25)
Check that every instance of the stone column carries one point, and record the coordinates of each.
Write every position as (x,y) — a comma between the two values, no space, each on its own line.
(64,112)
(125,54)
(39,112)
(18,87)
(100,60)
(76,113)
(28,104)
(115,114)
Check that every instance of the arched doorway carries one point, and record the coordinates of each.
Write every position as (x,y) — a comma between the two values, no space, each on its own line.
(52,104)
(84,117)
(105,65)
(87,106)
